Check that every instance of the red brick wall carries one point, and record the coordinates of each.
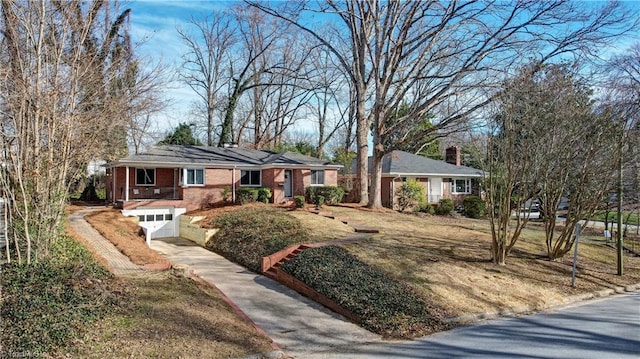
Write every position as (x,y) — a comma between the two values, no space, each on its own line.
(301,180)
(330,177)
(385,190)
(216,180)
(387,187)
(273,178)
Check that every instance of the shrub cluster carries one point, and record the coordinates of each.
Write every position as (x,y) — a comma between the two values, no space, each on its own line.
(424,207)
(385,305)
(332,194)
(299,201)
(474,207)
(46,305)
(247,235)
(410,195)
(246,195)
(445,206)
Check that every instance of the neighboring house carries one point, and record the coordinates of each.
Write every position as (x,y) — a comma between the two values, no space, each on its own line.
(441,179)
(193,177)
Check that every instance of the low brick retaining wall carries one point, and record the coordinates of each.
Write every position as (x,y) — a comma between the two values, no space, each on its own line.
(293,283)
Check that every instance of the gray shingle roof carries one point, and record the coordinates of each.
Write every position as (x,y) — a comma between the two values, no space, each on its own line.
(218,156)
(404,163)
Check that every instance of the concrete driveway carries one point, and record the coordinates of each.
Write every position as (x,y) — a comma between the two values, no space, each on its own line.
(304,329)
(300,326)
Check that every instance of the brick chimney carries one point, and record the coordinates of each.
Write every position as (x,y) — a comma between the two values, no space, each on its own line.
(452,155)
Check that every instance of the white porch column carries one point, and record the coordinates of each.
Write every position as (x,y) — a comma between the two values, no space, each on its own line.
(126,184)
(113,184)
(233,185)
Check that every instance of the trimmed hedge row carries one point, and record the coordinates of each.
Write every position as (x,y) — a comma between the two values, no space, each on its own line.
(46,305)
(385,306)
(247,235)
(332,194)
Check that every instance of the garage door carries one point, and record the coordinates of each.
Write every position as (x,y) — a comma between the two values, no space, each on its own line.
(161,223)
(158,222)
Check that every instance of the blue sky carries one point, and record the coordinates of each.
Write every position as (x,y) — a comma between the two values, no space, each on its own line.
(153,26)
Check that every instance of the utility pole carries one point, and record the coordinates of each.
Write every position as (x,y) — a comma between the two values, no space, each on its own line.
(619,198)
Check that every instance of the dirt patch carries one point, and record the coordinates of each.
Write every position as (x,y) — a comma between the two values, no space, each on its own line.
(124,233)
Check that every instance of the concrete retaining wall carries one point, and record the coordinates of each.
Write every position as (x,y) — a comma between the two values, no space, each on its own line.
(193,232)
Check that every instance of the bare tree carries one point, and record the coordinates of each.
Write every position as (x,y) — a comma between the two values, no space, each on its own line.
(282,92)
(204,68)
(356,17)
(68,81)
(328,106)
(440,57)
(624,96)
(549,144)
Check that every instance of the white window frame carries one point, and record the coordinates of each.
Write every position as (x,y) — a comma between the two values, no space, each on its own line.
(467,185)
(146,169)
(185,177)
(312,177)
(251,184)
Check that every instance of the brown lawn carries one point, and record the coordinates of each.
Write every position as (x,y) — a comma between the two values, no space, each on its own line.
(448,260)
(125,234)
(163,316)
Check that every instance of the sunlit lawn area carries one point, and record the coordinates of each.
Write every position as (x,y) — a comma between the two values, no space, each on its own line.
(628,218)
(448,260)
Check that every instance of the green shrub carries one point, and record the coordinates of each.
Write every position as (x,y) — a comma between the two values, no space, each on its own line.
(246,195)
(332,194)
(424,207)
(264,194)
(226,194)
(474,207)
(247,235)
(319,201)
(48,304)
(410,194)
(385,305)
(445,206)
(299,201)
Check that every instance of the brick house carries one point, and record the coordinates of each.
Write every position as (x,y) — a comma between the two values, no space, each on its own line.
(167,181)
(441,179)
(193,177)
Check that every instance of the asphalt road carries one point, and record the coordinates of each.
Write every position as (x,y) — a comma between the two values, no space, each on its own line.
(605,328)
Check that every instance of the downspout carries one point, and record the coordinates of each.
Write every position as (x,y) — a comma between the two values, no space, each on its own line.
(233,185)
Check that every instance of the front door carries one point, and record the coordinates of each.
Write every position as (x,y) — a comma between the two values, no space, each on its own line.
(435,189)
(288,183)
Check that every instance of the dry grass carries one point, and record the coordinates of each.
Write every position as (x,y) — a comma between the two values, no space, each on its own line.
(172,317)
(124,233)
(165,316)
(321,228)
(448,260)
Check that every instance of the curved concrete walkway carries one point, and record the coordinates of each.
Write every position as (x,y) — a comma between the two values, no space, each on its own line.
(297,324)
(119,264)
